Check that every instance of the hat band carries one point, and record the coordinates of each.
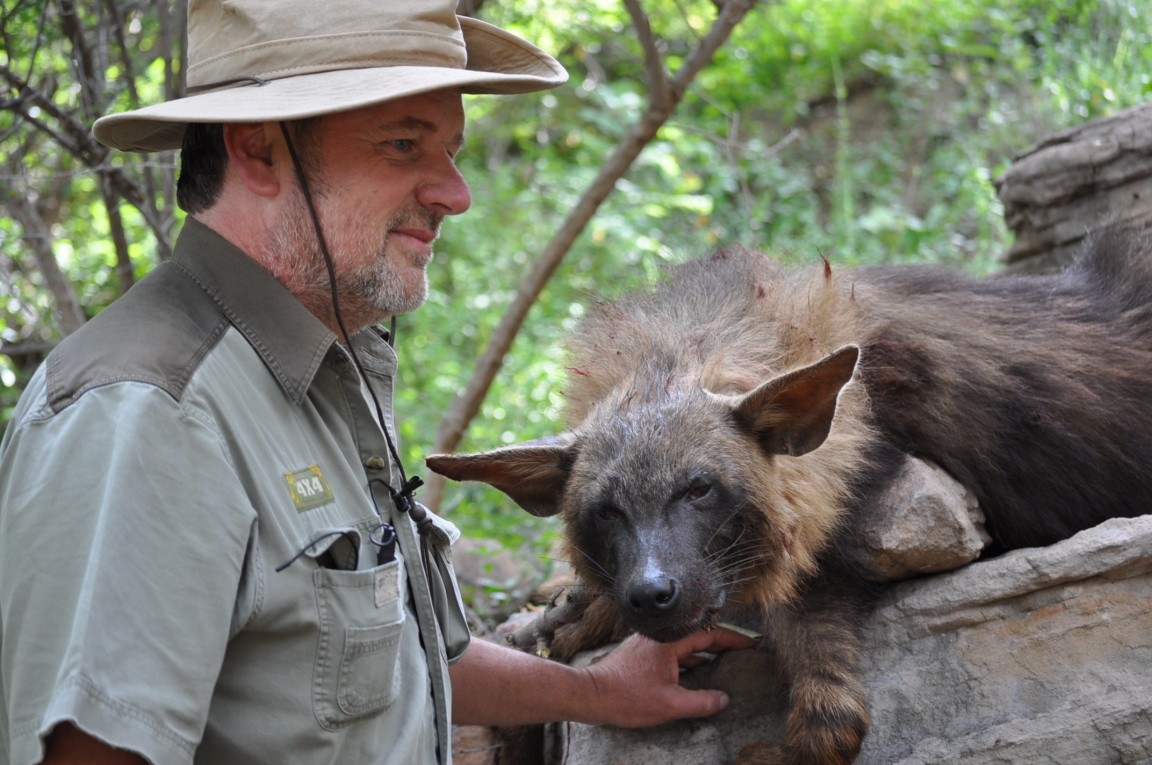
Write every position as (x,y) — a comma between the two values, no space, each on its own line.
(349,50)
(223,84)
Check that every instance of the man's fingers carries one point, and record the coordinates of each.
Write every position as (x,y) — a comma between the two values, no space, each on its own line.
(712,640)
(703,703)
(696,659)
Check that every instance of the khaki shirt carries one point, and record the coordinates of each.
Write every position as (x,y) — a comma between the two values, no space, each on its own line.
(202,432)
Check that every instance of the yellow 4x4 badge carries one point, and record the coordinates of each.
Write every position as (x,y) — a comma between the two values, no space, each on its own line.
(308,488)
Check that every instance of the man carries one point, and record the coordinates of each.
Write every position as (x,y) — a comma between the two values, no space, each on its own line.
(209,550)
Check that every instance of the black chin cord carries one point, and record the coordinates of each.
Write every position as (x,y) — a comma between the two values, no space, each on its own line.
(408,486)
(401,498)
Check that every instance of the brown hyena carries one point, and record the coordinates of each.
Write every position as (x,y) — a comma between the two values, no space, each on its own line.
(729,427)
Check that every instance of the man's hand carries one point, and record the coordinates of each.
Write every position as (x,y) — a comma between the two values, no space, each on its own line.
(638,683)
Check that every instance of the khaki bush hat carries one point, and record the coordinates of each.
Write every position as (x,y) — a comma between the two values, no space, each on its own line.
(271,60)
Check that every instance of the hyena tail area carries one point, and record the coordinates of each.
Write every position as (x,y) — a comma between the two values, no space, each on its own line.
(1032,391)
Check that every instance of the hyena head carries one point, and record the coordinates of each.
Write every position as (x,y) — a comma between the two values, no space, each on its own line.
(678,501)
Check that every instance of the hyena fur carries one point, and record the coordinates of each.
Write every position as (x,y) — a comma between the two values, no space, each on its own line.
(728,428)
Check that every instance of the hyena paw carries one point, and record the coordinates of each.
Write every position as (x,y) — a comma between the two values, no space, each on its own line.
(826,725)
(759,753)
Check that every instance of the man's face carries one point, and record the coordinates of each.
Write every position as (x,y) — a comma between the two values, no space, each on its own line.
(382,179)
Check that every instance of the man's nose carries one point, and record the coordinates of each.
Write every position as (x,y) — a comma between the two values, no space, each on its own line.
(447,191)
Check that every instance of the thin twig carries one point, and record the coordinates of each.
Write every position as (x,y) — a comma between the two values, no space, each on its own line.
(658,93)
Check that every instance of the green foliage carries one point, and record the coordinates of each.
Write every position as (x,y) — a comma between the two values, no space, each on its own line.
(63,65)
(863,131)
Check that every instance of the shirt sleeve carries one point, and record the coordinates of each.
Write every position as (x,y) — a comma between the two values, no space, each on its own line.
(123,535)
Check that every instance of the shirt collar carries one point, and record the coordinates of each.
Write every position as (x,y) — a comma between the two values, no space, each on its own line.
(291,341)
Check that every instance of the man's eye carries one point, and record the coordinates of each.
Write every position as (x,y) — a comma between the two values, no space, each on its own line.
(402,145)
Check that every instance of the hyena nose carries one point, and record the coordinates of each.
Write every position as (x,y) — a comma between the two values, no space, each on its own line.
(653,596)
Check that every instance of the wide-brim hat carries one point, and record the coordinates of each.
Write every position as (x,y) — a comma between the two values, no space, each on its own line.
(272,60)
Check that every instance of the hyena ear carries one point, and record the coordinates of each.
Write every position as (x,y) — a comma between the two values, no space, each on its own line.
(792,414)
(533,474)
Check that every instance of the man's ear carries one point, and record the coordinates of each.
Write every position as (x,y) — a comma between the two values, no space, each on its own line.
(533,474)
(251,148)
(792,414)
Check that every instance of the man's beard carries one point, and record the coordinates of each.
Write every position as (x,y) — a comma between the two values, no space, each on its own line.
(368,292)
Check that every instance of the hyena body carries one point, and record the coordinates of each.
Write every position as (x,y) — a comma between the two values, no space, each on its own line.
(729,426)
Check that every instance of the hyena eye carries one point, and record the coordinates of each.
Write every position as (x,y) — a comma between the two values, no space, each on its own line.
(609,513)
(698,491)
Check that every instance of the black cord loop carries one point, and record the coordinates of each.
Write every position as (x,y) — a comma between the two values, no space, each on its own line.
(408,486)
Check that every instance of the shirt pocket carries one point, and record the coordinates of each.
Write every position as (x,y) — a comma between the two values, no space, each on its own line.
(362,618)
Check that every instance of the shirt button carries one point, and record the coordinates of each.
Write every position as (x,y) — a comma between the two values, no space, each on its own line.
(375,463)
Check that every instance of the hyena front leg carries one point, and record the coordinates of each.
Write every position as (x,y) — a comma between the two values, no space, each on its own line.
(818,646)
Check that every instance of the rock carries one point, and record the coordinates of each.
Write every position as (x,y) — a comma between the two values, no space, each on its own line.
(1041,656)
(1075,181)
(493,581)
(930,523)
(474,745)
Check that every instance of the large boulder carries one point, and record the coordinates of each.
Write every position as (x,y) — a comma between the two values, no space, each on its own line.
(1039,656)
(1075,181)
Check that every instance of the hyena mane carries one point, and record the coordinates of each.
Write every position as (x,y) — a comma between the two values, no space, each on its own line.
(721,327)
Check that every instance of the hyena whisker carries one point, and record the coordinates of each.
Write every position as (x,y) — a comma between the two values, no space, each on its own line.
(738,559)
(720,527)
(603,572)
(736,554)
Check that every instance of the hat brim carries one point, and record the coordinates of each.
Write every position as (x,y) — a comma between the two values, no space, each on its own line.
(498,62)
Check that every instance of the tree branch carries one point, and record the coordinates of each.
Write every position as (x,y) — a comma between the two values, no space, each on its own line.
(125,271)
(81,55)
(74,137)
(39,240)
(128,76)
(26,349)
(659,109)
(659,95)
